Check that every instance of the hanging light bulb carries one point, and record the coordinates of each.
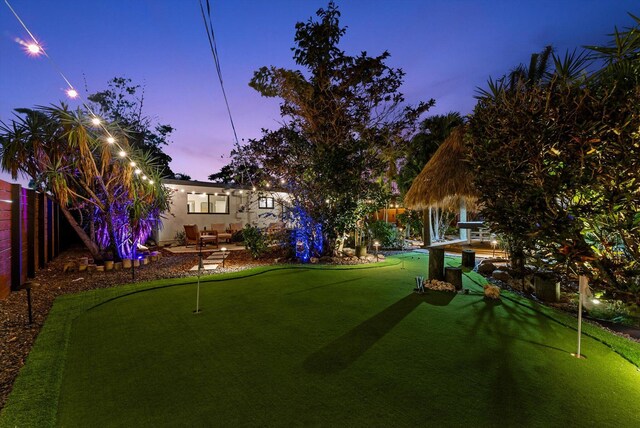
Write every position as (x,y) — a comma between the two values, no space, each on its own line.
(144,177)
(254,188)
(182,190)
(33,49)
(95,121)
(72,93)
(111,140)
(137,171)
(150,181)
(122,154)
(132,164)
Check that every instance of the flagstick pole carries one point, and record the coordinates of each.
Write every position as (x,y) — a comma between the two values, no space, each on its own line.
(582,287)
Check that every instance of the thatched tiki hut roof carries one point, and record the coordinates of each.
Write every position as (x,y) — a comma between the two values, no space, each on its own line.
(445,179)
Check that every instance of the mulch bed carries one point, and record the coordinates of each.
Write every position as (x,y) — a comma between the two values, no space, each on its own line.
(17,336)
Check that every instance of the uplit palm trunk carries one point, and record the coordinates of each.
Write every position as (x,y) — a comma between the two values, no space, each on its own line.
(113,242)
(86,240)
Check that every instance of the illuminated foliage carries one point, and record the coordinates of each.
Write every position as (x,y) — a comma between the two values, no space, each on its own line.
(557,163)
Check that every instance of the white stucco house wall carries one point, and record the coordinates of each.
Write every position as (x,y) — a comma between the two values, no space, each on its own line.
(204,203)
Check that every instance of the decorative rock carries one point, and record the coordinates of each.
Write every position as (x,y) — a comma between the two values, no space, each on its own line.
(108,264)
(70,267)
(100,268)
(136,262)
(437,285)
(313,260)
(349,252)
(501,275)
(83,260)
(144,260)
(91,267)
(82,267)
(117,265)
(486,268)
(492,292)
(126,263)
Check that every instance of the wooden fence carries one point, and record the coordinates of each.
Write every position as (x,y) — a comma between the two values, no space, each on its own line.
(29,235)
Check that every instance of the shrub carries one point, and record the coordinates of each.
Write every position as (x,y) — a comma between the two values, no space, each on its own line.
(386,233)
(180,238)
(254,240)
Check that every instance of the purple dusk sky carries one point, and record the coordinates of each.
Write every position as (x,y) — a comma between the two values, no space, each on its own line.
(446,47)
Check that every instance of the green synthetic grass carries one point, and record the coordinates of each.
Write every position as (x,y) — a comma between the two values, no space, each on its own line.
(311,346)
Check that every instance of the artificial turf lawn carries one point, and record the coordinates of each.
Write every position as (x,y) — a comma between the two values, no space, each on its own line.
(328,347)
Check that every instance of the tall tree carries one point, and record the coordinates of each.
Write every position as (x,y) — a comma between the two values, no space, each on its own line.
(123,102)
(343,115)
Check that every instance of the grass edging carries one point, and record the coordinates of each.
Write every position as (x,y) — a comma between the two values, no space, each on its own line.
(36,391)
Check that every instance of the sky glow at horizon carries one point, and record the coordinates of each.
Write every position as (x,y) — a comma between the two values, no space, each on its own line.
(446,48)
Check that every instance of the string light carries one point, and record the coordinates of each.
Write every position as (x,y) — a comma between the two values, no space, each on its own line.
(137,171)
(144,177)
(132,164)
(35,48)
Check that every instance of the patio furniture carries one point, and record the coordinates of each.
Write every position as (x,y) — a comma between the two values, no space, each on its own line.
(194,236)
(221,229)
(235,227)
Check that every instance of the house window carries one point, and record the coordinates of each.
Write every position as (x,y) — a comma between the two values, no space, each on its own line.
(265,202)
(207,204)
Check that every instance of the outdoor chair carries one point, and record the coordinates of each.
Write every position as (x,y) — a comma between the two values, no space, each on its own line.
(220,228)
(235,227)
(194,236)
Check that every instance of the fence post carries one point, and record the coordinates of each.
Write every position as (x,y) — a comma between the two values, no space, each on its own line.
(16,237)
(31,233)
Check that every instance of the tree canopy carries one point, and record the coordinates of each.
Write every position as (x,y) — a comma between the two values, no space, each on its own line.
(345,121)
(557,162)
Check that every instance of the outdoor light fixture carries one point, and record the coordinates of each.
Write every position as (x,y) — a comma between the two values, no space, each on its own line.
(95,121)
(72,93)
(240,192)
(150,181)
(215,194)
(144,177)
(282,181)
(227,193)
(182,190)
(122,153)
(494,243)
(268,184)
(137,171)
(193,192)
(34,49)
(111,140)
(224,252)
(376,244)
(204,193)
(132,164)
(253,188)
(327,201)
(596,301)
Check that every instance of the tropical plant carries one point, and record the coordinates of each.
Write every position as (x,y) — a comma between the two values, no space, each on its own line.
(557,164)
(254,240)
(64,155)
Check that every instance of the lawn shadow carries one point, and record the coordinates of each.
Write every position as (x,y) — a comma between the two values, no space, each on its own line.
(342,352)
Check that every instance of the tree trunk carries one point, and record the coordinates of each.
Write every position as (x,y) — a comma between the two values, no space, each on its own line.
(113,244)
(91,246)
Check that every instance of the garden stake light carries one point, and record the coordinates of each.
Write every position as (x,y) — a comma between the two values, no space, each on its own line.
(224,255)
(376,244)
